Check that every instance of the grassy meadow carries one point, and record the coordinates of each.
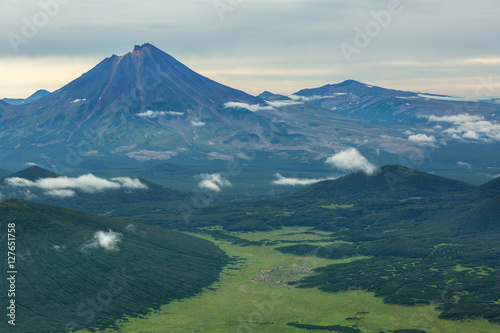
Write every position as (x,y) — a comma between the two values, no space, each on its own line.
(253,296)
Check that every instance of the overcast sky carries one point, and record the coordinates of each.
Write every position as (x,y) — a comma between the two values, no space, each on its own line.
(283,46)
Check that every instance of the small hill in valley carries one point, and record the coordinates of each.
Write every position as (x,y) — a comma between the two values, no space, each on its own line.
(392,182)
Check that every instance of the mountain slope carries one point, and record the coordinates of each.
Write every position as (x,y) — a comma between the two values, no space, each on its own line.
(483,218)
(4,173)
(80,270)
(489,189)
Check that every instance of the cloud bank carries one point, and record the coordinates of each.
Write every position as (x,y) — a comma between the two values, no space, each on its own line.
(197,123)
(469,127)
(464,164)
(314,97)
(284,181)
(422,138)
(352,160)
(106,240)
(250,107)
(154,114)
(278,104)
(213,182)
(65,187)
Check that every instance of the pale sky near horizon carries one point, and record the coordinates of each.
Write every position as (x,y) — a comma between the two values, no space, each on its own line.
(443,47)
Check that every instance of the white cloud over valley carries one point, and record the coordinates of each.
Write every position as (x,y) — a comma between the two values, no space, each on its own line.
(154,114)
(284,181)
(469,127)
(422,138)
(213,182)
(64,187)
(352,160)
(250,107)
(106,240)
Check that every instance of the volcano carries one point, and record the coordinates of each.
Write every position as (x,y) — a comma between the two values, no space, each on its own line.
(145,103)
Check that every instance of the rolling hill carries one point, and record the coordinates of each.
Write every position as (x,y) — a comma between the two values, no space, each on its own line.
(77,270)
(392,182)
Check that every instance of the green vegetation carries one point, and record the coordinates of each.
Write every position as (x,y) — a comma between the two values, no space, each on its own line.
(79,270)
(254,295)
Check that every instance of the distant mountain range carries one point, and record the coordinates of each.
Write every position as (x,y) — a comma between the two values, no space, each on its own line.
(387,106)
(36,96)
(147,107)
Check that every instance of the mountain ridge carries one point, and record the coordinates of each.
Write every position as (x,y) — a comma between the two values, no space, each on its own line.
(41,93)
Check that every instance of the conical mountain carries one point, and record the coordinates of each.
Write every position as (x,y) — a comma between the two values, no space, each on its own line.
(148,79)
(33,173)
(144,103)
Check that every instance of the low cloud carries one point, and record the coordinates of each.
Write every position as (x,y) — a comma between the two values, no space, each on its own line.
(284,181)
(450,98)
(469,127)
(154,114)
(197,123)
(278,104)
(61,193)
(106,240)
(65,187)
(422,138)
(464,164)
(213,182)
(315,97)
(250,107)
(352,160)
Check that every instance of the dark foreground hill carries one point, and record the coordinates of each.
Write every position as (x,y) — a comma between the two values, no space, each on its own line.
(78,270)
